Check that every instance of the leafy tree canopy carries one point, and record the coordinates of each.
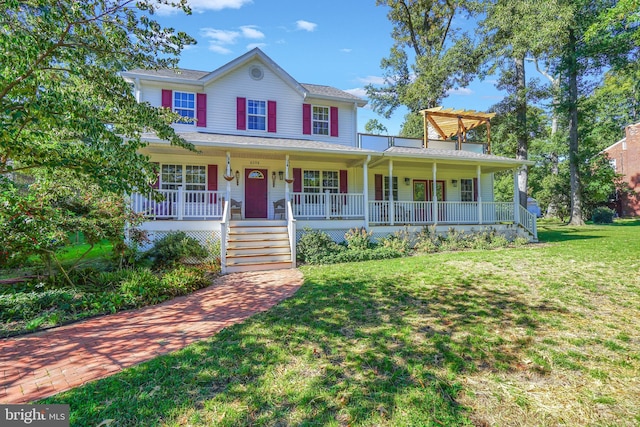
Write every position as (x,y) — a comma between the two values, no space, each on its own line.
(63,104)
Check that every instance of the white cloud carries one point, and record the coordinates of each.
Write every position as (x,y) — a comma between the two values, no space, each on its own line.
(306,25)
(219,36)
(251,32)
(464,91)
(219,40)
(219,49)
(359,92)
(254,45)
(345,50)
(374,80)
(201,6)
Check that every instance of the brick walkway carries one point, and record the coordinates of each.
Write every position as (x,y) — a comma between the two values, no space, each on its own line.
(45,363)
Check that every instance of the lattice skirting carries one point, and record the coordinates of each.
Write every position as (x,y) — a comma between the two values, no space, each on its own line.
(210,239)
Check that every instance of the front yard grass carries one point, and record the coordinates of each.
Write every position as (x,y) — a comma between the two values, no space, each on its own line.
(546,334)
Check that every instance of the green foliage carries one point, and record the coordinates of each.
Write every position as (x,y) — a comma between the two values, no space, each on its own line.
(373,126)
(400,241)
(602,215)
(430,55)
(175,248)
(314,245)
(357,255)
(38,304)
(358,238)
(454,240)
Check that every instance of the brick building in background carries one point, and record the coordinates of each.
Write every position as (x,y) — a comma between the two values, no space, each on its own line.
(625,158)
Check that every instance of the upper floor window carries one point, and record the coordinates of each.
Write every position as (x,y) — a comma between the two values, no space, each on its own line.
(466,190)
(320,181)
(612,163)
(184,103)
(256,114)
(320,120)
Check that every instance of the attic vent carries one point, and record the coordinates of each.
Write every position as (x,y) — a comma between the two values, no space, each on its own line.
(256,72)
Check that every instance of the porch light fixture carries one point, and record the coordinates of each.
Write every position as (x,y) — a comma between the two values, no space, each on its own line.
(237,177)
(281,175)
(454,182)
(407,180)
(273,178)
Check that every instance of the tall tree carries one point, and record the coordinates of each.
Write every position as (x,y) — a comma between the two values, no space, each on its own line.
(66,111)
(63,103)
(430,55)
(513,30)
(603,33)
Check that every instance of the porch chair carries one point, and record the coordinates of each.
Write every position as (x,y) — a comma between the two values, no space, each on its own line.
(279,209)
(236,209)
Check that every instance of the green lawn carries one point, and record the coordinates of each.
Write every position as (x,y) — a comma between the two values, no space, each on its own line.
(547,334)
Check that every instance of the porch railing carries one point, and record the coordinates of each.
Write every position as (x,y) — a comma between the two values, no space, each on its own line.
(180,204)
(328,205)
(447,212)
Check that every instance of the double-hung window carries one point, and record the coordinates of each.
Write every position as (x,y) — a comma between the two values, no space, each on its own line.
(466,190)
(184,103)
(256,114)
(321,181)
(320,120)
(192,177)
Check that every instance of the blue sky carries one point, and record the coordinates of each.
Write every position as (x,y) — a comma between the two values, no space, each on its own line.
(330,42)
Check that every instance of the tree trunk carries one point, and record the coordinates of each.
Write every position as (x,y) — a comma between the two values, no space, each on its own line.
(521,123)
(574,169)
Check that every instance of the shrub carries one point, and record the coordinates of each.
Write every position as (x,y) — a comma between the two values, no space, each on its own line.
(602,215)
(400,241)
(356,255)
(175,248)
(183,280)
(358,238)
(427,240)
(314,245)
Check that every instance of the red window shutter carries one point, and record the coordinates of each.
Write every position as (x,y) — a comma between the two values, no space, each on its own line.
(306,119)
(212,181)
(201,109)
(297,180)
(271,116)
(167,98)
(343,181)
(378,187)
(241,113)
(156,184)
(333,117)
(475,189)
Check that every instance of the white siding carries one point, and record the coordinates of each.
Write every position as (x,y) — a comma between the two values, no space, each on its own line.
(221,105)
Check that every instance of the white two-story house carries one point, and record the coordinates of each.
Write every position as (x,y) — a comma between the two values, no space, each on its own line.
(276,156)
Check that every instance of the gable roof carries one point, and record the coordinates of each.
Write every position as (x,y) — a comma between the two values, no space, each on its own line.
(180,75)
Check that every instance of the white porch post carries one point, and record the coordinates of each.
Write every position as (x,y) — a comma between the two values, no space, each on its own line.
(181,202)
(365,195)
(391,210)
(434,194)
(327,205)
(516,198)
(228,173)
(286,176)
(479,192)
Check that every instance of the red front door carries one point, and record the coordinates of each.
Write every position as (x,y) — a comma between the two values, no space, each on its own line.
(255,193)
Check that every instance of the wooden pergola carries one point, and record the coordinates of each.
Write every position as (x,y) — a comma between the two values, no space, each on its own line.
(450,122)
